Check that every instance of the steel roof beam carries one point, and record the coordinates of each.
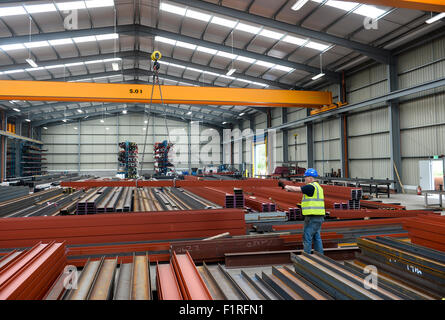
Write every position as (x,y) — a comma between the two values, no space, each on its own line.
(378,54)
(138,29)
(136,108)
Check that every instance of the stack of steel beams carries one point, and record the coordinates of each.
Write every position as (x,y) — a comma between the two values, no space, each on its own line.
(422,267)
(11,206)
(341,282)
(12,192)
(121,227)
(428,231)
(29,275)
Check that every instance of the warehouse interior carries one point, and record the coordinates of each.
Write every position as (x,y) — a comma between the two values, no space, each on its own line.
(146,147)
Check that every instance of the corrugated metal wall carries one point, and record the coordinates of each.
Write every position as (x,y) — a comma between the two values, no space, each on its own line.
(422,116)
(327,150)
(99,143)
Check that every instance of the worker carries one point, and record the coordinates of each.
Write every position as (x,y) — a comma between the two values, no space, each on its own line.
(312,209)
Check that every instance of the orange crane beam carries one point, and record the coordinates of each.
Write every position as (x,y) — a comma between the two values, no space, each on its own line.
(139,93)
(424,5)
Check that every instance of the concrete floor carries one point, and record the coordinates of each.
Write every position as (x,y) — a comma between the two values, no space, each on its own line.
(411,201)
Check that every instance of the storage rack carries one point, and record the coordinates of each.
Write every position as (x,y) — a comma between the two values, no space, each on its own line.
(31,160)
(161,150)
(128,159)
(11,160)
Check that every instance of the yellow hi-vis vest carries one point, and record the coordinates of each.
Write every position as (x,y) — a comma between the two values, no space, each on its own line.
(313,205)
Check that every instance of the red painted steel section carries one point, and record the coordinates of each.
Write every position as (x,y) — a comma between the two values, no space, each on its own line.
(346,224)
(428,231)
(32,275)
(352,214)
(193,287)
(169,183)
(116,228)
(167,284)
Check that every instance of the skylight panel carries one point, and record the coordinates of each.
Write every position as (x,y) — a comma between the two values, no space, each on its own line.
(224,22)
(108,36)
(36,44)
(58,42)
(11,11)
(294,40)
(10,47)
(165,40)
(206,50)
(369,11)
(247,28)
(172,8)
(185,45)
(71,5)
(226,55)
(316,46)
(197,15)
(84,39)
(265,64)
(245,59)
(271,34)
(283,68)
(38,8)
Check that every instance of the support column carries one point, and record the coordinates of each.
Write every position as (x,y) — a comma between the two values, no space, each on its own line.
(189,145)
(285,137)
(3,148)
(343,125)
(78,145)
(310,145)
(394,126)
(221,145)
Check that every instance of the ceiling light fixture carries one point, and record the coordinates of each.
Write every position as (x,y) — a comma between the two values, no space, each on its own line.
(28,120)
(230,72)
(45,128)
(224,122)
(241,114)
(64,120)
(124,111)
(17,110)
(32,63)
(321,74)
(435,18)
(115,66)
(79,110)
(299,4)
(189,113)
(102,120)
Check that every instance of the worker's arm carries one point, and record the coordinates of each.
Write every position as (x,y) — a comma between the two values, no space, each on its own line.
(292,189)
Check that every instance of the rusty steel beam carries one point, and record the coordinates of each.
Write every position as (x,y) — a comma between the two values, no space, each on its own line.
(141,288)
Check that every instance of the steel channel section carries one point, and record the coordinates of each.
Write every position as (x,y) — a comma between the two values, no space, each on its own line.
(211,283)
(283,290)
(433,270)
(384,284)
(384,278)
(413,248)
(193,285)
(406,278)
(16,278)
(9,258)
(311,275)
(103,286)
(86,281)
(233,283)
(266,287)
(223,284)
(301,286)
(354,277)
(141,289)
(123,287)
(167,284)
(416,274)
(256,286)
(245,285)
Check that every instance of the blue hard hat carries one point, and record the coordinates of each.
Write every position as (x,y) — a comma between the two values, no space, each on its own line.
(311,173)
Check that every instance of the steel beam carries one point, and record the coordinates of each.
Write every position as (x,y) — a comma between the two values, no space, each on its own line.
(94,114)
(144,30)
(285,141)
(310,144)
(394,126)
(343,126)
(378,54)
(422,5)
(104,92)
